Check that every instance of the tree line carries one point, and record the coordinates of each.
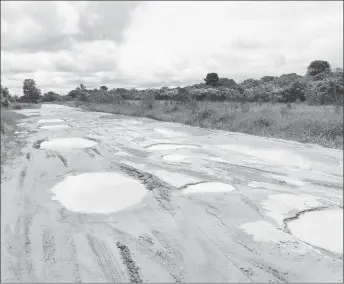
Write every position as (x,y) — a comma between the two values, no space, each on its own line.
(321,85)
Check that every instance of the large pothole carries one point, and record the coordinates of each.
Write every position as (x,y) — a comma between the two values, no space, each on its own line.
(209,187)
(323,229)
(98,192)
(67,143)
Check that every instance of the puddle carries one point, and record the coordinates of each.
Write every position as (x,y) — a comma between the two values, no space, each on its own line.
(59,126)
(163,146)
(176,158)
(323,229)
(67,143)
(209,187)
(21,132)
(53,120)
(98,192)
(279,205)
(262,231)
(168,133)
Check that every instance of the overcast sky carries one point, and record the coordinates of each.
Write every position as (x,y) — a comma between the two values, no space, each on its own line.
(153,44)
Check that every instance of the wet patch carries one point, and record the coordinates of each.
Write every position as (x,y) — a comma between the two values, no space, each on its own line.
(209,187)
(275,156)
(67,143)
(167,146)
(53,120)
(323,229)
(58,126)
(98,192)
(176,158)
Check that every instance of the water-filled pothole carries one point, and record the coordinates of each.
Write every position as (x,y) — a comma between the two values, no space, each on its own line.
(209,187)
(176,158)
(165,146)
(98,192)
(58,126)
(64,143)
(323,229)
(53,120)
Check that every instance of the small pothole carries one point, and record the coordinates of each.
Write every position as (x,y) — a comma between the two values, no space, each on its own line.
(209,187)
(64,143)
(167,146)
(53,120)
(176,158)
(58,126)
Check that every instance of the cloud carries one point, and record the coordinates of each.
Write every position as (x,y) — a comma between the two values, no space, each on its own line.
(152,44)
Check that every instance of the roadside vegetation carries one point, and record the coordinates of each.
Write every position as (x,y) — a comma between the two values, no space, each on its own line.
(305,108)
(8,125)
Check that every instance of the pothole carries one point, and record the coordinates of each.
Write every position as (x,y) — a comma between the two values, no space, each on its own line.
(98,192)
(168,132)
(166,146)
(65,143)
(53,120)
(176,158)
(209,187)
(21,132)
(58,126)
(323,229)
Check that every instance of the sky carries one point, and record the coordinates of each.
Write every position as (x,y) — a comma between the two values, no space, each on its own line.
(62,44)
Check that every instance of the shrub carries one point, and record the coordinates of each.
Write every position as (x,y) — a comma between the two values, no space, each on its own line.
(117,99)
(262,121)
(148,100)
(245,107)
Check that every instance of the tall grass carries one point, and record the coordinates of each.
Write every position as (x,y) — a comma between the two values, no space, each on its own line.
(299,122)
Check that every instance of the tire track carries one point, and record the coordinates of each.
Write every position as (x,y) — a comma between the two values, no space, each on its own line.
(161,190)
(22,176)
(63,159)
(89,152)
(132,269)
(104,259)
(19,247)
(76,274)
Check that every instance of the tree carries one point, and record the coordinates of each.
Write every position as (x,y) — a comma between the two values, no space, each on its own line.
(317,66)
(83,87)
(50,97)
(211,79)
(225,82)
(30,90)
(104,88)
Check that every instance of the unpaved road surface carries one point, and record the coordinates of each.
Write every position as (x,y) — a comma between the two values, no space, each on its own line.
(146,201)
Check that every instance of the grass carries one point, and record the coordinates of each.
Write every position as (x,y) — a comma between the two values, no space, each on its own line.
(9,118)
(321,125)
(16,105)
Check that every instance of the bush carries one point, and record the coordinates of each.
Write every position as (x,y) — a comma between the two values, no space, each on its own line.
(148,100)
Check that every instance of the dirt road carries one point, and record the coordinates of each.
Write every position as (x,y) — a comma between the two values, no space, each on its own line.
(94,197)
